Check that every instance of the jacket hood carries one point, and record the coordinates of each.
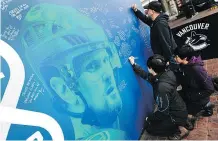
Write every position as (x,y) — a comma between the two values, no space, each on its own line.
(196,61)
(162,17)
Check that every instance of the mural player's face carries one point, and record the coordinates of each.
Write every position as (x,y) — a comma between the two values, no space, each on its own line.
(95,81)
(97,84)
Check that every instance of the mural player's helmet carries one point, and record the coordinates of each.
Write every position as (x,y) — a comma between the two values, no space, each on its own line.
(54,34)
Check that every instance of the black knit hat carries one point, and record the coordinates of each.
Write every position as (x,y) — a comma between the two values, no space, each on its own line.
(154,5)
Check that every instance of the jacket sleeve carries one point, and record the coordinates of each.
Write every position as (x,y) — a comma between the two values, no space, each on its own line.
(143,17)
(163,103)
(165,40)
(143,74)
(205,84)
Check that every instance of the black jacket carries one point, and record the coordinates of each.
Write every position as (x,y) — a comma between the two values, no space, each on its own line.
(162,41)
(170,104)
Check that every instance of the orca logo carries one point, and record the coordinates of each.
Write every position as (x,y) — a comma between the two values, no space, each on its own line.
(197,41)
(9,114)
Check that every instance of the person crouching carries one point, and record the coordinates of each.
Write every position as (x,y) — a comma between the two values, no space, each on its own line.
(171,114)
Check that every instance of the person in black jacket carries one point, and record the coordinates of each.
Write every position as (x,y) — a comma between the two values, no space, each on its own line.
(197,85)
(171,114)
(162,41)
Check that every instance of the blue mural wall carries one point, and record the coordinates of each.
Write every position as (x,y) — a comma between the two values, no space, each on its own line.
(77,76)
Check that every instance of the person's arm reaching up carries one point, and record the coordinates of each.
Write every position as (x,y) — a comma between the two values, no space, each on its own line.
(141,16)
(139,71)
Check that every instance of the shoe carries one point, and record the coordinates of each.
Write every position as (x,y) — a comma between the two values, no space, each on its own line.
(189,125)
(209,105)
(199,114)
(177,136)
(193,119)
(208,110)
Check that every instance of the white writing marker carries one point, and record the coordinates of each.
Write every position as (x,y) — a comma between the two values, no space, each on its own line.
(1,75)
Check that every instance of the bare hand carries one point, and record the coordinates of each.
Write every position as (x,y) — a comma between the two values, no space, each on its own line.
(132,60)
(134,7)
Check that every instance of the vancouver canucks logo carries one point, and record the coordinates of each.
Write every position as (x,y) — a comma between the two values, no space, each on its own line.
(197,41)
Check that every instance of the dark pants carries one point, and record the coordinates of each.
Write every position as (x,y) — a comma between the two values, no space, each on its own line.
(162,128)
(194,107)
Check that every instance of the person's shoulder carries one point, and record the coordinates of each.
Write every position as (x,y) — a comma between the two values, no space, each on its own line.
(163,18)
(168,78)
(163,24)
(170,74)
(195,66)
